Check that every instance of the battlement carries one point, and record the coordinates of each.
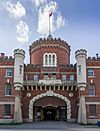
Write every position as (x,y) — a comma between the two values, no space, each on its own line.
(5,58)
(19,52)
(49,38)
(93,59)
(81,52)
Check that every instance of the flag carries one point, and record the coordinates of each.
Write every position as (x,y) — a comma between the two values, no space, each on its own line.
(50,14)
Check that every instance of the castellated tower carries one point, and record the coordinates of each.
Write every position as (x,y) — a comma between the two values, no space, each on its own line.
(80,56)
(19,56)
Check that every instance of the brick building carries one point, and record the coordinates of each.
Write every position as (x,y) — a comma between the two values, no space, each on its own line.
(49,88)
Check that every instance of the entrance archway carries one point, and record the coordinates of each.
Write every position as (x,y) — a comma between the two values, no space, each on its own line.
(52,94)
(49,113)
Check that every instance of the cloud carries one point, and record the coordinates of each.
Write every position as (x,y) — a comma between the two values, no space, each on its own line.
(22,31)
(38,2)
(15,10)
(60,21)
(56,20)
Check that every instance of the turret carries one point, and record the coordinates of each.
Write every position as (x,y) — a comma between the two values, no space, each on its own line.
(19,56)
(80,56)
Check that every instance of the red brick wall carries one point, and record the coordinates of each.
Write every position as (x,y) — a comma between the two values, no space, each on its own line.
(36,56)
(26,100)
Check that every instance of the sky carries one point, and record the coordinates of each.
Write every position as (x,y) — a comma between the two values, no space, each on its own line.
(75,21)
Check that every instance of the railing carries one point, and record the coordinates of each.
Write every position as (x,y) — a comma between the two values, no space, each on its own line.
(50,82)
(30,82)
(69,82)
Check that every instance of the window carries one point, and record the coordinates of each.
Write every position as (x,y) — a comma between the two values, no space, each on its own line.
(8,89)
(71,77)
(9,72)
(91,90)
(92,110)
(46,60)
(49,60)
(36,77)
(53,59)
(46,76)
(79,70)
(20,69)
(28,77)
(91,72)
(53,76)
(63,77)
(7,110)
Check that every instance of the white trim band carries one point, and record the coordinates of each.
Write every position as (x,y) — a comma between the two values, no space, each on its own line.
(11,103)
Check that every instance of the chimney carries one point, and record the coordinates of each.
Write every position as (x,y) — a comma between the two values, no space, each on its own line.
(2,55)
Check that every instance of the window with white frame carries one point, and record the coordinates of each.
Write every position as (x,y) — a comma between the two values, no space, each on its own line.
(46,59)
(46,76)
(63,77)
(71,77)
(9,72)
(53,76)
(91,72)
(8,90)
(49,60)
(91,90)
(36,77)
(92,110)
(7,110)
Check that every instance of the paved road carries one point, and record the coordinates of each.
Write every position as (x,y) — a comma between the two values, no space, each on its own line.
(49,126)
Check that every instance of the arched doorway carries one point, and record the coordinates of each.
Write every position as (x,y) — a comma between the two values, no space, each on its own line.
(49,111)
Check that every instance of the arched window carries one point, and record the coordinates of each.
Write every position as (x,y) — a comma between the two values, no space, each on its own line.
(8,89)
(49,60)
(46,60)
(53,60)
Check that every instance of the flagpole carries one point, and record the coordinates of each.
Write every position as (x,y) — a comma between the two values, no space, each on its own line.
(49,24)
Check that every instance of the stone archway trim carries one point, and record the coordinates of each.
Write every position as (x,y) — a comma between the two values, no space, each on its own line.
(49,93)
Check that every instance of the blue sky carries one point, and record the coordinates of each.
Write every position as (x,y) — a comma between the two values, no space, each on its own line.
(75,21)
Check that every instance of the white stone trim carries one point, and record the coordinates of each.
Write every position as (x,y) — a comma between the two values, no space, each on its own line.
(11,103)
(49,93)
(93,67)
(6,66)
(90,103)
(51,64)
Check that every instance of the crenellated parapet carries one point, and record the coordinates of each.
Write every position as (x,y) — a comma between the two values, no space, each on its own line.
(49,42)
(49,46)
(91,59)
(19,53)
(80,53)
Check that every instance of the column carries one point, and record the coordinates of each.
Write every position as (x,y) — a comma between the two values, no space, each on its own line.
(31,87)
(58,87)
(36,87)
(67,88)
(54,88)
(45,88)
(63,88)
(41,88)
(27,87)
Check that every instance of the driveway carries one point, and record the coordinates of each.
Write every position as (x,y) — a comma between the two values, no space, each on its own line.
(50,125)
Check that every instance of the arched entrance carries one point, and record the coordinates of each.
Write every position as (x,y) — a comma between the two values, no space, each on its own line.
(49,113)
(50,110)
